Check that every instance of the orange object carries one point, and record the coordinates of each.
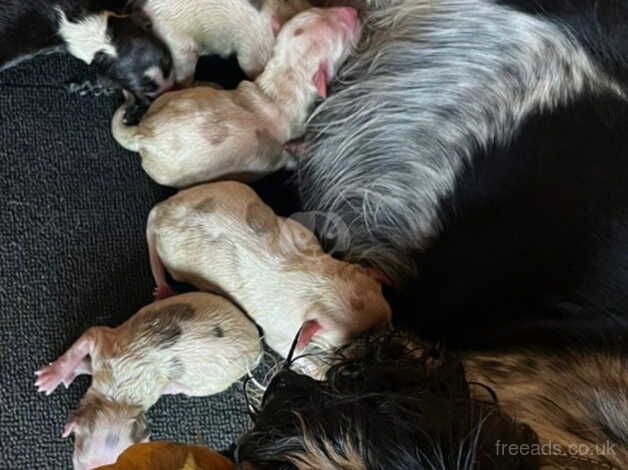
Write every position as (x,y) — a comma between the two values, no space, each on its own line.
(169,456)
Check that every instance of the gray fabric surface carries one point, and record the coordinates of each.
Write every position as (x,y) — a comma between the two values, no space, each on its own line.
(72,255)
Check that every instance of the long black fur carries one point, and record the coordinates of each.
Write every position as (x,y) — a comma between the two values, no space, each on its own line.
(536,236)
(387,404)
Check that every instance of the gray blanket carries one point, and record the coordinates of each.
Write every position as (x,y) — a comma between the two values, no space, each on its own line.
(73,254)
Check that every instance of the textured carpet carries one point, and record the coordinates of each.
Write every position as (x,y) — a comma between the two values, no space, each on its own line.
(73,255)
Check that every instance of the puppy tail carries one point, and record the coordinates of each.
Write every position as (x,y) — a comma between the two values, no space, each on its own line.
(127,136)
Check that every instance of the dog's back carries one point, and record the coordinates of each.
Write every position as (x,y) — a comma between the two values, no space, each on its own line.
(496,203)
(575,401)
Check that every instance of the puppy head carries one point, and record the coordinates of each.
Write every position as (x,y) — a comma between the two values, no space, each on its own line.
(356,305)
(314,44)
(387,402)
(102,430)
(137,60)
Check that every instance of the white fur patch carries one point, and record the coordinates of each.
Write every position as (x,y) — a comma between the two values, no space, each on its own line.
(86,37)
(163,83)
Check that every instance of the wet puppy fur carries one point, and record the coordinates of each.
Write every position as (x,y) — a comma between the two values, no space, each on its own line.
(392,402)
(129,56)
(385,404)
(197,343)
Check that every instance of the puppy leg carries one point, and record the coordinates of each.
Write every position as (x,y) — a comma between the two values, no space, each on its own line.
(162,289)
(71,364)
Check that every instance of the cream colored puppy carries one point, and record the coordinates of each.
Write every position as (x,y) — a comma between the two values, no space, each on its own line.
(201,134)
(192,28)
(221,236)
(196,343)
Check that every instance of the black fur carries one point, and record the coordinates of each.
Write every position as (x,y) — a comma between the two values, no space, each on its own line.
(599,26)
(138,50)
(397,406)
(30,27)
(534,244)
(536,236)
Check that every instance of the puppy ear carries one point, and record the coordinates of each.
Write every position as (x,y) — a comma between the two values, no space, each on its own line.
(275,24)
(309,329)
(320,79)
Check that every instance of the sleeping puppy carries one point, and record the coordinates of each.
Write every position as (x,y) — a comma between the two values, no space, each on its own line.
(200,134)
(222,237)
(197,344)
(219,27)
(121,48)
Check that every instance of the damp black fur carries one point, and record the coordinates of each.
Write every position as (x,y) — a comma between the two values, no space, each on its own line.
(385,404)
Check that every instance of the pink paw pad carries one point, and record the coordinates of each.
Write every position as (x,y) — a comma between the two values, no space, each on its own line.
(49,377)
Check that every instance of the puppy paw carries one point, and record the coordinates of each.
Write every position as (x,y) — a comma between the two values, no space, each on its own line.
(49,377)
(133,113)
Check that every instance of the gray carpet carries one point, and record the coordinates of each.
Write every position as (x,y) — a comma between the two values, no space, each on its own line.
(72,255)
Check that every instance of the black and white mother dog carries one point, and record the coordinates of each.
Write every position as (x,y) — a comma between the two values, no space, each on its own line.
(478,152)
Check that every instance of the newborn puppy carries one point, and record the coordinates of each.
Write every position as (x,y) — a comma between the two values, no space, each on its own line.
(221,27)
(195,343)
(121,48)
(221,236)
(200,134)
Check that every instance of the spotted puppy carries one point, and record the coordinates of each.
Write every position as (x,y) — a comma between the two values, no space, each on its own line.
(195,343)
(221,236)
(219,27)
(200,134)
